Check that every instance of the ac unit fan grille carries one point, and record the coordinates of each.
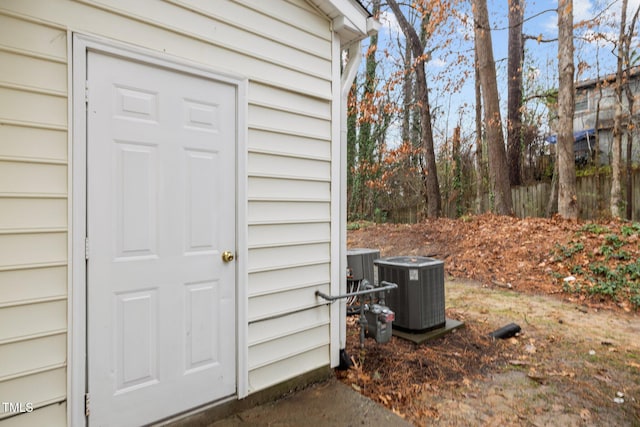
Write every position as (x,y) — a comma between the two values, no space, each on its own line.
(419,300)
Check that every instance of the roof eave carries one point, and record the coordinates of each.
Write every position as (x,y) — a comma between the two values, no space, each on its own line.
(351,20)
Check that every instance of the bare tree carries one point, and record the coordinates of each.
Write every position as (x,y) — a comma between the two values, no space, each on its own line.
(498,169)
(616,148)
(422,97)
(630,101)
(567,201)
(514,87)
(479,139)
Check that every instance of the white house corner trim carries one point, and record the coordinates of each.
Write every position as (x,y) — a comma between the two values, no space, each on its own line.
(339,191)
(336,204)
(242,273)
(76,361)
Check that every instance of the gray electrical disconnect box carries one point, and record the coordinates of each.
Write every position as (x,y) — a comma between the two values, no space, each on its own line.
(418,302)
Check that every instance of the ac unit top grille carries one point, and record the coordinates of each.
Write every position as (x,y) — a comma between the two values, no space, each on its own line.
(419,300)
(409,261)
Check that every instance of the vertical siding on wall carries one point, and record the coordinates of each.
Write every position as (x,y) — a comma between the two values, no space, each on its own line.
(33,219)
(284,50)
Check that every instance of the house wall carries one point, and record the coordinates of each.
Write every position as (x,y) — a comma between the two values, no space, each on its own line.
(590,99)
(284,49)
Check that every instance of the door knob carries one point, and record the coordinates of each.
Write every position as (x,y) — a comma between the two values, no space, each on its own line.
(227,256)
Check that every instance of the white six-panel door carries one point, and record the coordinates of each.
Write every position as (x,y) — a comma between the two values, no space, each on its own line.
(160,212)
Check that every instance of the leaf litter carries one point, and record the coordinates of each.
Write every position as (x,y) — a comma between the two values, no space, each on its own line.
(504,269)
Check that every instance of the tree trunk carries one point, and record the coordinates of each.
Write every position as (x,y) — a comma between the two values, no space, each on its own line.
(422,97)
(631,126)
(498,169)
(567,201)
(352,118)
(457,171)
(479,167)
(616,148)
(514,98)
(552,203)
(407,95)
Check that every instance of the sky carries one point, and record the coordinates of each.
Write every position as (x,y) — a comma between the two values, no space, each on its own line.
(540,62)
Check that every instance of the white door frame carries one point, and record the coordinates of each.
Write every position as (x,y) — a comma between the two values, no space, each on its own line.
(77,205)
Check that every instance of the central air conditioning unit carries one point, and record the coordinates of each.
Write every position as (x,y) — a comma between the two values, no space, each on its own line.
(360,264)
(418,302)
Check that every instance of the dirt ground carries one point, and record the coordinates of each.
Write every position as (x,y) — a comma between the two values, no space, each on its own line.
(576,361)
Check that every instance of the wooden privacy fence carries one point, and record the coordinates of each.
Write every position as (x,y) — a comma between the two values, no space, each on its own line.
(405,215)
(531,200)
(593,194)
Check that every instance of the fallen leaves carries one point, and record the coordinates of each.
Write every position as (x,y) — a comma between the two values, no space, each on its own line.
(504,252)
(508,255)
(400,373)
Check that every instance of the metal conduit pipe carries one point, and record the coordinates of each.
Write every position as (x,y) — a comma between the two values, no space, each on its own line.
(386,286)
(364,323)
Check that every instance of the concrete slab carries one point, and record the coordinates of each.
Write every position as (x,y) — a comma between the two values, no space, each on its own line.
(329,403)
(421,337)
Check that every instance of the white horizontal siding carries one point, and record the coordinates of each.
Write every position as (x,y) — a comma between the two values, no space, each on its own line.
(276,98)
(268,189)
(280,341)
(272,329)
(288,122)
(31,107)
(209,26)
(32,320)
(284,49)
(42,388)
(283,348)
(32,213)
(182,33)
(275,281)
(297,14)
(283,212)
(261,236)
(269,165)
(27,356)
(261,141)
(36,178)
(292,367)
(27,143)
(18,250)
(33,219)
(32,38)
(33,72)
(277,304)
(32,284)
(279,257)
(267,24)
(53,415)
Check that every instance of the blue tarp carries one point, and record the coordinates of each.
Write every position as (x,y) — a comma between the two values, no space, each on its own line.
(577,136)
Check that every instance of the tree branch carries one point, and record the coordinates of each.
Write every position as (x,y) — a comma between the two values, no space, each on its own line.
(539,38)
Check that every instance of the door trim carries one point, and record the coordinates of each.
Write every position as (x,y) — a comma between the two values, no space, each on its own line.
(77,207)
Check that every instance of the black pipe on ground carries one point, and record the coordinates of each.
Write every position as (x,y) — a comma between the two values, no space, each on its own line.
(507,331)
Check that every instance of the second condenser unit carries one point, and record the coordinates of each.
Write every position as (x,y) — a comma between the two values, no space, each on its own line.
(419,299)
